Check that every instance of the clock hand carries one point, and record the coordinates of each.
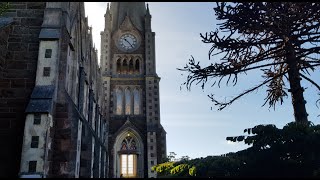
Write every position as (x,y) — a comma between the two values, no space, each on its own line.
(128,42)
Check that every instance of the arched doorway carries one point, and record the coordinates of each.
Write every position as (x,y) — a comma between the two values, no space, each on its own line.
(128,157)
(128,150)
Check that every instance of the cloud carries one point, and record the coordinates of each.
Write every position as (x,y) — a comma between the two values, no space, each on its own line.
(231,143)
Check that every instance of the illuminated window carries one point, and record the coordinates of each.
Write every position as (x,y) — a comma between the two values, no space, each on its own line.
(128,165)
(128,161)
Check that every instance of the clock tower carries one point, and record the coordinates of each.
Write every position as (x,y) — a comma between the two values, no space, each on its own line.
(137,140)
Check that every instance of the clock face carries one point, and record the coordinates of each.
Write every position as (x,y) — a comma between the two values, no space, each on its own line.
(128,42)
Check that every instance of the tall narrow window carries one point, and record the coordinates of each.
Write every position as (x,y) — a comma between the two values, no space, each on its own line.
(136,102)
(124,67)
(131,66)
(118,66)
(119,101)
(128,165)
(137,67)
(128,102)
(124,165)
(128,162)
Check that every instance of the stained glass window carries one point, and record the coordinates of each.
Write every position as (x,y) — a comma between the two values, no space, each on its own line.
(128,144)
(128,161)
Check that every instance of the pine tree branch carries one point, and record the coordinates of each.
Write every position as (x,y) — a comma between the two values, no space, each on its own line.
(225,104)
(310,80)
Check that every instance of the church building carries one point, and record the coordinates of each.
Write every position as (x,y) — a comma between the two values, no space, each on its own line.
(137,140)
(64,115)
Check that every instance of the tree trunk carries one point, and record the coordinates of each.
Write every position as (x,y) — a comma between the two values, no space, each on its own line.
(298,102)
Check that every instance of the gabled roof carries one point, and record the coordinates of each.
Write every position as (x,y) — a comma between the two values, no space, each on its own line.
(41,100)
(135,10)
(127,125)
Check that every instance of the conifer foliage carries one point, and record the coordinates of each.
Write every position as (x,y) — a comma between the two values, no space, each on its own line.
(281,39)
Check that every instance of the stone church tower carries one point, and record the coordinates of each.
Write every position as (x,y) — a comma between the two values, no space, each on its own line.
(137,140)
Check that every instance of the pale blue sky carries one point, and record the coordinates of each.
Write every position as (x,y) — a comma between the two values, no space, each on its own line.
(194,129)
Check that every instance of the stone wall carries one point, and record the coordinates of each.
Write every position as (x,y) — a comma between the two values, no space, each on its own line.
(21,73)
(4,34)
(77,138)
(17,81)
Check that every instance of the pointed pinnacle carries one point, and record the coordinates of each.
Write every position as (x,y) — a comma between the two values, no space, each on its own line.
(148,12)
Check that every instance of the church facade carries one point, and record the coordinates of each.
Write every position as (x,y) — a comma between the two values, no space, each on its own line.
(64,115)
(137,140)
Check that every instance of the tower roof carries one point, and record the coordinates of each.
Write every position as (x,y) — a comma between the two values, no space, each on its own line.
(135,10)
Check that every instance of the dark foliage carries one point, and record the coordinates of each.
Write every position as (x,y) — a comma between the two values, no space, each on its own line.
(4,6)
(293,151)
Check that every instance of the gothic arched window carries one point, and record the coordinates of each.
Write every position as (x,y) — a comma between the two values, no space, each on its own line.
(119,101)
(136,102)
(131,66)
(137,67)
(124,67)
(127,94)
(118,66)
(128,144)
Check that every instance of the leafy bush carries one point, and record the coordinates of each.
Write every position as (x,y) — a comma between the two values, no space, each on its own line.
(293,151)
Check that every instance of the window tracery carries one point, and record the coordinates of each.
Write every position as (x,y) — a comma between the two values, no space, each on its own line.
(128,143)
(127,101)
